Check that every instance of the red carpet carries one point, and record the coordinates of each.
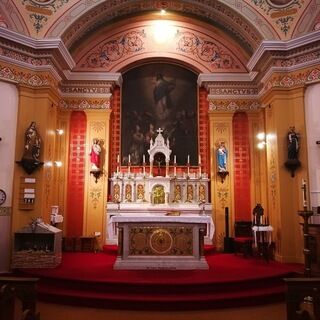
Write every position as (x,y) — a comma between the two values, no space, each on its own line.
(88,279)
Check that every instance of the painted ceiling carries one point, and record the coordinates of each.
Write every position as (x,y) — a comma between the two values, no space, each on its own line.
(211,35)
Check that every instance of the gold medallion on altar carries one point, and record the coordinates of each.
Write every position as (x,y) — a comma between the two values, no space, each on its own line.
(161,241)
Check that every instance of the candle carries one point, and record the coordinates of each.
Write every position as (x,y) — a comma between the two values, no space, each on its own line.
(304,193)
(129,158)
(118,158)
(188,161)
(144,159)
(199,159)
(175,159)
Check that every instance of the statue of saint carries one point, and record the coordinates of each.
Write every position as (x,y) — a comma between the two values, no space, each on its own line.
(222,155)
(32,143)
(293,144)
(95,155)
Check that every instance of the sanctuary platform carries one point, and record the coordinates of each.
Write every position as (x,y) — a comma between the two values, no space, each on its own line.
(88,279)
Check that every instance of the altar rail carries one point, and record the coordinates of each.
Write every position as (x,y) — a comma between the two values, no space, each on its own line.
(13,289)
(303,298)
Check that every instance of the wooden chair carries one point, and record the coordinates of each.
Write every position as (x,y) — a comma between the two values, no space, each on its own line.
(243,238)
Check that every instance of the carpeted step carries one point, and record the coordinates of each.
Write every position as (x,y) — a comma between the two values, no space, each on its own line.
(88,279)
(158,301)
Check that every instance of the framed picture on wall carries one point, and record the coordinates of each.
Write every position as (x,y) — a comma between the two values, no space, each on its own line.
(159,96)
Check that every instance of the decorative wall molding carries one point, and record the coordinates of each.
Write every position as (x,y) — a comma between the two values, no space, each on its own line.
(296,46)
(213,77)
(233,91)
(296,79)
(85,89)
(28,78)
(230,105)
(55,45)
(21,60)
(82,104)
(112,77)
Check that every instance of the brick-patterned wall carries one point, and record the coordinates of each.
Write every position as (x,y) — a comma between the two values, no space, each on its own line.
(114,146)
(76,174)
(204,130)
(241,166)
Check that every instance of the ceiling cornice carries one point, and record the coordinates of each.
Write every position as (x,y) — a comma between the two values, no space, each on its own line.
(268,46)
(115,77)
(39,44)
(34,68)
(225,77)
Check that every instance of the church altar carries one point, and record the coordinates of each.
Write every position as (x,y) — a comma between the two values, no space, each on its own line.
(154,192)
(161,242)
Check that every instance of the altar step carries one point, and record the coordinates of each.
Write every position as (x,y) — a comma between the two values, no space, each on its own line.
(88,279)
(151,299)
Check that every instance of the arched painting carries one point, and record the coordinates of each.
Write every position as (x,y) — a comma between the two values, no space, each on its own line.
(159,96)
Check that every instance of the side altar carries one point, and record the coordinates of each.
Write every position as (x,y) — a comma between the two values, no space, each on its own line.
(162,194)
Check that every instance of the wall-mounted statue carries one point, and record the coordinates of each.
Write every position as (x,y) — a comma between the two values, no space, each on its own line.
(293,144)
(32,143)
(222,161)
(95,155)
(222,157)
(95,158)
(32,147)
(293,150)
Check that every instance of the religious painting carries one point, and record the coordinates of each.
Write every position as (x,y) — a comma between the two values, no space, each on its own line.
(159,96)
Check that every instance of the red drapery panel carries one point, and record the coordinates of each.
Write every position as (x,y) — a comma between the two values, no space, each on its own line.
(75,186)
(241,166)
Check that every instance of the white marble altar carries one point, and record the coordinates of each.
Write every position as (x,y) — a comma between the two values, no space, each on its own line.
(147,192)
(161,242)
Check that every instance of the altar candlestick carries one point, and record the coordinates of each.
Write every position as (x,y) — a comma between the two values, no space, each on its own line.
(304,194)
(199,170)
(199,160)
(118,158)
(129,158)
(188,161)
(144,164)
(175,159)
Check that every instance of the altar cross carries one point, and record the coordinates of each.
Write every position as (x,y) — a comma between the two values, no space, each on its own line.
(159,131)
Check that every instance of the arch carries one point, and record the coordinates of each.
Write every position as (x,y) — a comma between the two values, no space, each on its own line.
(238,25)
(205,49)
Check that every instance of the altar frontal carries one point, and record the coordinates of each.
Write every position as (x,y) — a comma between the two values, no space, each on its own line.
(162,242)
